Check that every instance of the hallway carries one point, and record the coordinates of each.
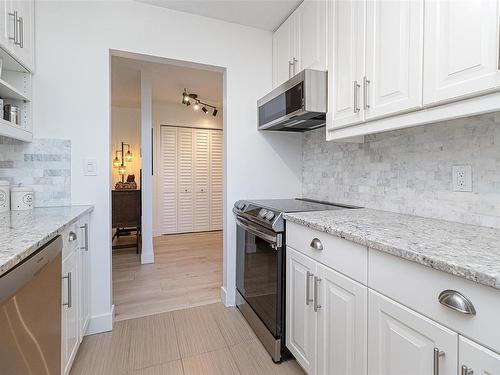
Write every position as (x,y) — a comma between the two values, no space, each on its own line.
(187,272)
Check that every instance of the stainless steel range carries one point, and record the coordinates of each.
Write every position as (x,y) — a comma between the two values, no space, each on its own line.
(260,265)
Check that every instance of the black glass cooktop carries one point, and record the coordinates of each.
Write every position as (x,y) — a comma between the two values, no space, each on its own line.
(298,205)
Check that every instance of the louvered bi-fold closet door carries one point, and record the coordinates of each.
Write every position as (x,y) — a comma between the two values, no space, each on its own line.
(185,206)
(201,180)
(168,188)
(216,176)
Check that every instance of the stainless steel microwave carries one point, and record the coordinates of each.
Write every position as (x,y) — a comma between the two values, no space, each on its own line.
(298,105)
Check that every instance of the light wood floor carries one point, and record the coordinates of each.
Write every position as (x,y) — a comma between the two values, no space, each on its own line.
(205,340)
(187,272)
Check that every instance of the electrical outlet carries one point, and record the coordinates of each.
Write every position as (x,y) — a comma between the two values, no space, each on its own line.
(462,177)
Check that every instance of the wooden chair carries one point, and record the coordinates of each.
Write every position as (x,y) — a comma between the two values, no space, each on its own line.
(126,214)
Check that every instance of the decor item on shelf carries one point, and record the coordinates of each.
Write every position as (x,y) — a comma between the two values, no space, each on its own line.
(130,184)
(11,113)
(4,196)
(120,162)
(188,97)
(21,198)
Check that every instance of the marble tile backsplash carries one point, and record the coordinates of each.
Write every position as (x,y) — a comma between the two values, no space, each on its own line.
(410,171)
(44,164)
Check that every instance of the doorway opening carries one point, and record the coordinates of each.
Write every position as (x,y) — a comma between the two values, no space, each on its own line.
(167,254)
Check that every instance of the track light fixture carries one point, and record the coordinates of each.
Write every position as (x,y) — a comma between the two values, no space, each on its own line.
(187,98)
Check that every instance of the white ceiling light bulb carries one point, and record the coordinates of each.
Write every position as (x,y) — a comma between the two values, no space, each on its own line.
(196,106)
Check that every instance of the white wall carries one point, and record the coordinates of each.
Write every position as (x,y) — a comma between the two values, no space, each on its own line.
(126,127)
(72,101)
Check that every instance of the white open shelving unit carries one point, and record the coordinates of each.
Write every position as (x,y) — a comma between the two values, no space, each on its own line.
(16,89)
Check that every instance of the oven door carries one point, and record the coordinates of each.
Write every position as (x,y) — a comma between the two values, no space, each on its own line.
(259,272)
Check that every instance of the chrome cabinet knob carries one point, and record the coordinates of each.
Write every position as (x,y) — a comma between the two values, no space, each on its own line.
(456,301)
(72,236)
(316,244)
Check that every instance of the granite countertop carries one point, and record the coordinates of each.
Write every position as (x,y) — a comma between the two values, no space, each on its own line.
(468,251)
(23,232)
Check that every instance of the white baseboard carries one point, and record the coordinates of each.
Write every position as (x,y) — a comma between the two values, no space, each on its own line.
(226,299)
(147,258)
(101,323)
(223,295)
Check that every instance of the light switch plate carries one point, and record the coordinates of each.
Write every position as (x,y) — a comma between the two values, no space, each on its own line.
(90,167)
(462,178)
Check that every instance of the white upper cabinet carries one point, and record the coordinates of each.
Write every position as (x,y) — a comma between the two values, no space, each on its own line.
(410,63)
(300,42)
(17,30)
(310,35)
(461,49)
(393,66)
(282,52)
(475,359)
(400,341)
(24,49)
(345,62)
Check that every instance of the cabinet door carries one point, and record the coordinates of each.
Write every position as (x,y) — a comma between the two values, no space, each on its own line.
(216,178)
(476,359)
(394,37)
(201,180)
(310,35)
(84,250)
(168,183)
(300,315)
(185,195)
(24,51)
(342,324)
(400,341)
(345,62)
(6,25)
(282,52)
(70,307)
(460,49)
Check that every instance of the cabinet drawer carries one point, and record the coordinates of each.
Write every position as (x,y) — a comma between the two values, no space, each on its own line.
(343,256)
(418,287)
(70,241)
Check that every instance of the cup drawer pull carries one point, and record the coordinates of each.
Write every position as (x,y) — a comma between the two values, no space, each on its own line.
(316,244)
(456,301)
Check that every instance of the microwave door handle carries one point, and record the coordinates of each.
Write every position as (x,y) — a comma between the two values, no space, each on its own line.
(267,237)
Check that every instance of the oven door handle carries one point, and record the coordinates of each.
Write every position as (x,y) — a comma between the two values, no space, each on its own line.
(267,237)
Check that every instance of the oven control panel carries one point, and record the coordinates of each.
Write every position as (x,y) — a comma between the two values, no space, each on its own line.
(263,216)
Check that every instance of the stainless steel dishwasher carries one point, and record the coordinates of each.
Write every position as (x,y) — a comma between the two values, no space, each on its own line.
(30,314)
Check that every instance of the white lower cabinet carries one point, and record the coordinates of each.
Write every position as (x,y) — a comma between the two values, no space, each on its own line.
(401,341)
(341,339)
(396,324)
(84,251)
(75,299)
(300,316)
(326,318)
(70,314)
(475,359)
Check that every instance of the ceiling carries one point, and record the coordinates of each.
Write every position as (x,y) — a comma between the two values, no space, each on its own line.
(261,14)
(169,82)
